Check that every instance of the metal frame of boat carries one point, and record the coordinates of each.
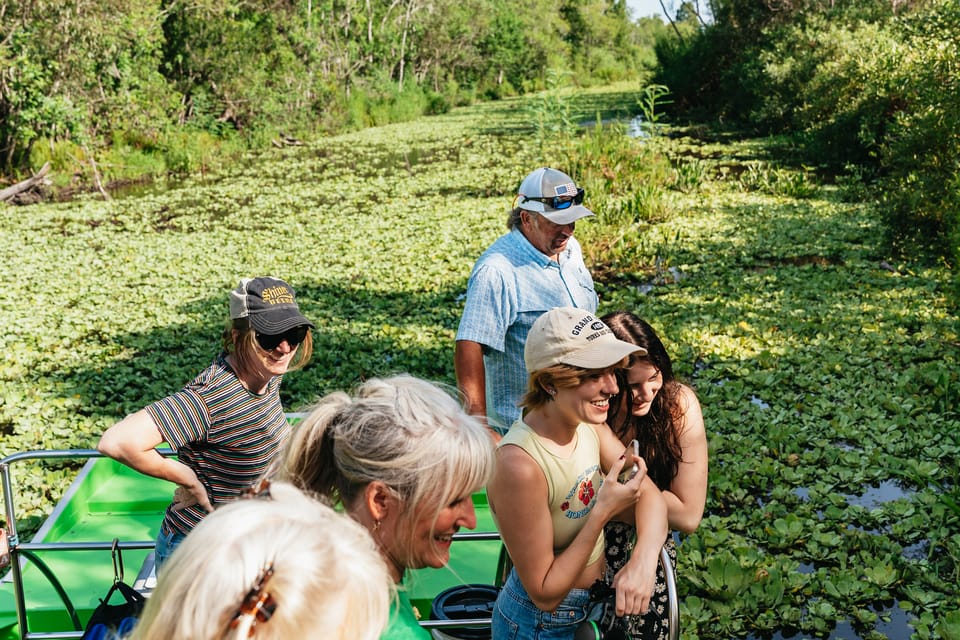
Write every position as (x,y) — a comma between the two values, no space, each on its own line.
(109,498)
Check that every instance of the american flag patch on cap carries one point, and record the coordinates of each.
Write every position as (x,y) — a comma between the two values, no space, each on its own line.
(568,189)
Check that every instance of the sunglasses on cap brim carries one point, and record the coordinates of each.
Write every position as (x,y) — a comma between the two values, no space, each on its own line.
(557,202)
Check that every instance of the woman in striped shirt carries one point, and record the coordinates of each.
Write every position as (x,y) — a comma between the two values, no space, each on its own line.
(228,423)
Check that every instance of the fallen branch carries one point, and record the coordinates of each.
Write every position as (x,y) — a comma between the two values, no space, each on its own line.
(25,185)
(285,140)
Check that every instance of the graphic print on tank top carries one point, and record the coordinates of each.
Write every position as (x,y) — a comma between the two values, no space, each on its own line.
(579,500)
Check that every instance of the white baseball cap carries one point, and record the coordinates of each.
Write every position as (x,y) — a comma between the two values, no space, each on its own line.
(554,195)
(565,335)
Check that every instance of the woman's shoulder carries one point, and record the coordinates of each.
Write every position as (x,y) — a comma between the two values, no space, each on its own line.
(688,405)
(217,369)
(403,623)
(687,397)
(518,465)
(519,459)
(592,431)
(686,393)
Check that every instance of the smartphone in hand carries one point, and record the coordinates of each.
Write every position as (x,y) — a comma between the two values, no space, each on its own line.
(629,472)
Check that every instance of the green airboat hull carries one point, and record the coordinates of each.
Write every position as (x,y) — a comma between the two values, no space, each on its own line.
(108,500)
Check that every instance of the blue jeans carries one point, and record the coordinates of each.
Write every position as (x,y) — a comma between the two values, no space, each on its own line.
(515,617)
(166,543)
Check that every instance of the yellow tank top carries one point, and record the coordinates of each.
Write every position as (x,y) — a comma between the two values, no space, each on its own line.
(572,482)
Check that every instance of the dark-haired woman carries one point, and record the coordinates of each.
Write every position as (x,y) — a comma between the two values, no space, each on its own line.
(227,425)
(664,416)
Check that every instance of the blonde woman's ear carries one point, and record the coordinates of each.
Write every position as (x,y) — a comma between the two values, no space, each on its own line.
(377,498)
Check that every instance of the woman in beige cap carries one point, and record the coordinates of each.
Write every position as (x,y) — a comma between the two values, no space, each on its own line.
(555,485)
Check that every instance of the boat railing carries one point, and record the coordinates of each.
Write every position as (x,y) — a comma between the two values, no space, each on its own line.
(20,552)
(23,551)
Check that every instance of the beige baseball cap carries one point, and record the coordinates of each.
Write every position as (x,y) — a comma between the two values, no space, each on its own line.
(565,335)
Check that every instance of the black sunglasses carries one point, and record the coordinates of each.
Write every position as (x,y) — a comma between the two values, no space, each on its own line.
(558,202)
(293,337)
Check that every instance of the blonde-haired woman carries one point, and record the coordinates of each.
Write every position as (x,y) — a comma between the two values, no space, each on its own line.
(271,568)
(403,458)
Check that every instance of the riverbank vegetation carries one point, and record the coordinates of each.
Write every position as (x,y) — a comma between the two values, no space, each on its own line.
(112,92)
(867,90)
(121,89)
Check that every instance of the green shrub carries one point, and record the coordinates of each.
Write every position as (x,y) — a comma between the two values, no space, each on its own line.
(380,102)
(550,111)
(408,104)
(690,175)
(836,84)
(126,162)
(358,116)
(63,156)
(627,181)
(919,156)
(437,103)
(500,90)
(726,80)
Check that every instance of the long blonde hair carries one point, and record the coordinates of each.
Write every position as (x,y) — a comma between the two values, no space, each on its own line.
(408,433)
(328,579)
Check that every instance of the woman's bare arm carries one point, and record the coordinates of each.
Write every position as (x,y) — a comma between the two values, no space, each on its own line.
(518,498)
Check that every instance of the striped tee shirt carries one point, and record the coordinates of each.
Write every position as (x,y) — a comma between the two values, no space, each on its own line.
(225,433)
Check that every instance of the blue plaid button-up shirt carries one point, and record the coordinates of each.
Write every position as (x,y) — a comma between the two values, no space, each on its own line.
(511,285)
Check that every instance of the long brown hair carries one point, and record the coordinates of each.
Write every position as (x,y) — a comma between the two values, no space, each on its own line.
(658,431)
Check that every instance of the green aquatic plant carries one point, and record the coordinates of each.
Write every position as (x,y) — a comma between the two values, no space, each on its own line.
(551,111)
(650,101)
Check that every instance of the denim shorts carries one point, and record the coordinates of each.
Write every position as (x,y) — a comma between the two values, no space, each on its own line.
(515,617)
(166,543)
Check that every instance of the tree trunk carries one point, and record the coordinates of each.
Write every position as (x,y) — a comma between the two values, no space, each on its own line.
(403,41)
(25,185)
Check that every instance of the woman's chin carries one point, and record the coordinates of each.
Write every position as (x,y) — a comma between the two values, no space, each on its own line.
(438,560)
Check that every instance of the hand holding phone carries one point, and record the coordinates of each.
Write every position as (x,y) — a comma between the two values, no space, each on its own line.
(629,472)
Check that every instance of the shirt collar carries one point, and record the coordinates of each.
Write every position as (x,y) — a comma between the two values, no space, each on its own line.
(535,255)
